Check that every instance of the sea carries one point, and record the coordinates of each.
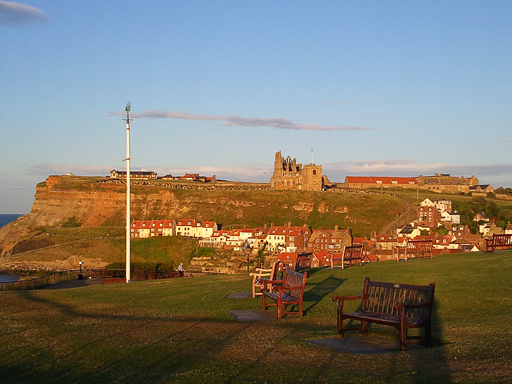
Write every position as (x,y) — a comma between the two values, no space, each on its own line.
(4,220)
(7,218)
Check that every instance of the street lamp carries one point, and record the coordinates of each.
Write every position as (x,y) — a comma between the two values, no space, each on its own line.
(80,276)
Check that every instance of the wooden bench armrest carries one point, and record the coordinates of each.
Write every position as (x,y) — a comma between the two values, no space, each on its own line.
(271,282)
(261,274)
(343,298)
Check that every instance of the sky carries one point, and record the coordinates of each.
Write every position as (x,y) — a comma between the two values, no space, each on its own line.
(363,88)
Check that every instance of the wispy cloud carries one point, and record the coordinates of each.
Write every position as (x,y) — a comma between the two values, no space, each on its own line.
(239,121)
(46,170)
(13,14)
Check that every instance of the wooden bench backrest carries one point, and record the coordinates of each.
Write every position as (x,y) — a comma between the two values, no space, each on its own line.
(353,252)
(502,240)
(419,246)
(295,279)
(381,297)
(304,260)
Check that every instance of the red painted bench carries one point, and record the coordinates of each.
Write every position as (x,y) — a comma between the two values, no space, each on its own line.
(416,249)
(290,292)
(499,241)
(352,254)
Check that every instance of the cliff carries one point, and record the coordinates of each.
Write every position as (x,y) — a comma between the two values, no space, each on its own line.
(92,202)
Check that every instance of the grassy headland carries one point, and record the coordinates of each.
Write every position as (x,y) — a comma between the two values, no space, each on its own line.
(179,330)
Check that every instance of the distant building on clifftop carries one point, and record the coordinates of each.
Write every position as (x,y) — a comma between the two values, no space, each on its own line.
(140,175)
(288,175)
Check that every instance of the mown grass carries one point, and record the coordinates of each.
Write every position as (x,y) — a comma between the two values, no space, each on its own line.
(179,330)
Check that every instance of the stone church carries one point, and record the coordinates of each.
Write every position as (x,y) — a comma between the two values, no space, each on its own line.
(288,175)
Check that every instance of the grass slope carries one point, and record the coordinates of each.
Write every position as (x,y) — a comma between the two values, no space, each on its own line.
(179,330)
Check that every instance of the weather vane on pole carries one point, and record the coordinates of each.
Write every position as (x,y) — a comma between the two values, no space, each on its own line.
(128,223)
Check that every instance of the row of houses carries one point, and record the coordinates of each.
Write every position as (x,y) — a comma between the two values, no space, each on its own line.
(286,238)
(387,246)
(190,228)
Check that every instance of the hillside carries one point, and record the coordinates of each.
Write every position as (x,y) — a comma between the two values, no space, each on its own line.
(69,201)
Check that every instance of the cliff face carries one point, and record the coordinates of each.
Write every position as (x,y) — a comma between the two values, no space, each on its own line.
(91,202)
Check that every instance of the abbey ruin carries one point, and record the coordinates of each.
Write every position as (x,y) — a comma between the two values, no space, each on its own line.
(288,175)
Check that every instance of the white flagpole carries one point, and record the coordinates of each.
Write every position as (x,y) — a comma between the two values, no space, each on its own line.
(128,221)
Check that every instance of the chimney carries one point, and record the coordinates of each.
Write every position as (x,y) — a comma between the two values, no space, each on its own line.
(335,228)
(289,224)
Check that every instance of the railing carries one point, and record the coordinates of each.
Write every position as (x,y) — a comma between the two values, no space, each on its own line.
(41,282)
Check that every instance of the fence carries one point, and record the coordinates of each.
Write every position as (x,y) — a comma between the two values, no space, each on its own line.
(40,282)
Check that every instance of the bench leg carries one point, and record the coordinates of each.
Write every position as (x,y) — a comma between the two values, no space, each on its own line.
(341,334)
(279,309)
(402,334)
(364,328)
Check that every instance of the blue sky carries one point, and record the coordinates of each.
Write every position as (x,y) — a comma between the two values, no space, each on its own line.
(394,88)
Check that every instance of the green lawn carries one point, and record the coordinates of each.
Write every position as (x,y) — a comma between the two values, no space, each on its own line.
(179,330)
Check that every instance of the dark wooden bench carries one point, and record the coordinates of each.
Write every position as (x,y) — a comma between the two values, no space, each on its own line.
(303,263)
(402,306)
(290,292)
(416,249)
(172,274)
(499,241)
(352,254)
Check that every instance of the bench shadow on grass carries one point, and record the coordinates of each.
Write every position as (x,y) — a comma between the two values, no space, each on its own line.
(430,365)
(319,291)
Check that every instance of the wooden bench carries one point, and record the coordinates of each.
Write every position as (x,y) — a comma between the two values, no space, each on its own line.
(415,249)
(303,263)
(289,293)
(172,274)
(352,254)
(260,276)
(402,306)
(499,241)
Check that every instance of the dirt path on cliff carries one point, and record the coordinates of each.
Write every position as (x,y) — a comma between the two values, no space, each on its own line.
(408,215)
